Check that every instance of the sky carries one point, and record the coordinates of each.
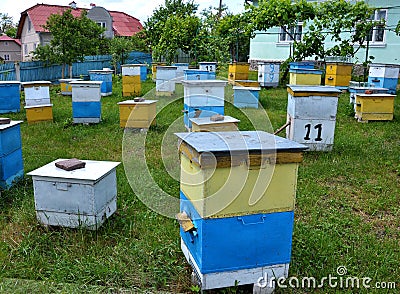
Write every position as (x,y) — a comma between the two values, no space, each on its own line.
(141,9)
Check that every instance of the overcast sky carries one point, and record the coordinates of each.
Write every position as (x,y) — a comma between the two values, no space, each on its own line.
(140,9)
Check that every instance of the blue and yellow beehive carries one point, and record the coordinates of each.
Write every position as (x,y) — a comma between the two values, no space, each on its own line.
(10,96)
(237,200)
(11,161)
(105,76)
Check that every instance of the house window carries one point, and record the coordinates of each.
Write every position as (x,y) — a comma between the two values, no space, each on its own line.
(29,25)
(5,43)
(377,34)
(102,24)
(6,57)
(25,49)
(287,35)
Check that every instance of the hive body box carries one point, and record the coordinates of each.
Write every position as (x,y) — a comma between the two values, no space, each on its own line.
(205,124)
(238,71)
(105,76)
(10,96)
(301,65)
(131,79)
(65,86)
(311,77)
(384,76)
(11,161)
(83,197)
(154,69)
(242,225)
(86,101)
(268,73)
(338,74)
(246,97)
(312,116)
(165,82)
(246,83)
(137,114)
(206,96)
(38,113)
(143,72)
(353,90)
(37,92)
(198,74)
(374,107)
(180,67)
(210,66)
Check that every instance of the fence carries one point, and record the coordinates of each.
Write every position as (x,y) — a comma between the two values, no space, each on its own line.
(37,70)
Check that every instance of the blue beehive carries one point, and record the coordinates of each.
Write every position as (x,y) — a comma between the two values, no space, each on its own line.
(301,65)
(197,74)
(11,161)
(143,72)
(105,76)
(10,96)
(384,76)
(86,101)
(246,97)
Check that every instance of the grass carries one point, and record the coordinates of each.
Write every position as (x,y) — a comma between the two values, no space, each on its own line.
(347,207)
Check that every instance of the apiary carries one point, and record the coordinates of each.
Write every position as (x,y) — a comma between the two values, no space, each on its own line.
(198,74)
(210,66)
(180,68)
(166,79)
(246,97)
(202,98)
(384,76)
(131,79)
(137,114)
(311,113)
(338,74)
(86,101)
(11,161)
(238,71)
(37,92)
(268,73)
(10,96)
(38,113)
(206,124)
(83,197)
(374,107)
(105,76)
(241,182)
(66,88)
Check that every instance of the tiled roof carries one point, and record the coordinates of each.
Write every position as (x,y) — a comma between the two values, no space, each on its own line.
(123,24)
(7,38)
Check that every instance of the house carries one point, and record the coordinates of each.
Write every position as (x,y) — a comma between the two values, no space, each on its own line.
(32,34)
(383,45)
(10,49)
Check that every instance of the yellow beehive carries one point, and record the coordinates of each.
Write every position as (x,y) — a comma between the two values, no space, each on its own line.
(246,83)
(374,107)
(39,113)
(131,85)
(137,114)
(205,124)
(238,71)
(230,182)
(338,74)
(302,78)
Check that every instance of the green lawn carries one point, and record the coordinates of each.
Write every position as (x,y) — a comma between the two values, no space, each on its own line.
(347,209)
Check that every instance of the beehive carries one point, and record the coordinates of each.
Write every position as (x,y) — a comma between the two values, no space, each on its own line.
(131,80)
(197,75)
(65,86)
(86,101)
(202,98)
(312,115)
(355,89)
(37,92)
(105,76)
(210,66)
(246,97)
(384,76)
(38,113)
(143,72)
(180,67)
(83,197)
(246,83)
(268,73)
(374,107)
(154,69)
(205,124)
(11,161)
(137,114)
(165,82)
(311,77)
(338,74)
(10,96)
(238,71)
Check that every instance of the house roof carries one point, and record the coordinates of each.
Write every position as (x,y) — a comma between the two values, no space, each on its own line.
(123,24)
(7,38)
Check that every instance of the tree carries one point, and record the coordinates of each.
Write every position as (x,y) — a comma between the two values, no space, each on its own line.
(7,25)
(72,39)
(119,50)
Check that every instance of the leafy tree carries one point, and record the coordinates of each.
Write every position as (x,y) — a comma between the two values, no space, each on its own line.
(139,42)
(6,22)
(72,39)
(119,50)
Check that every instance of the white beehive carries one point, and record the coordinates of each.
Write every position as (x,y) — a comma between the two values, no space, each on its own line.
(82,197)
(268,73)
(208,66)
(165,80)
(37,92)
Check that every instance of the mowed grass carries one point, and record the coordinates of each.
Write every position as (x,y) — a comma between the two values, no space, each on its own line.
(347,206)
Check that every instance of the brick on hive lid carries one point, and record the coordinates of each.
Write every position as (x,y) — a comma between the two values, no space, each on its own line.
(139,99)
(70,164)
(217,117)
(4,120)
